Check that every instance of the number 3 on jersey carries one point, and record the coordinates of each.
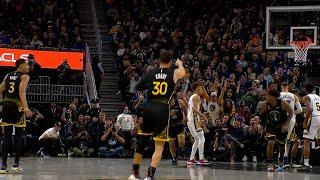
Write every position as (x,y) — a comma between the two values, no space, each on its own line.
(159,88)
(11,88)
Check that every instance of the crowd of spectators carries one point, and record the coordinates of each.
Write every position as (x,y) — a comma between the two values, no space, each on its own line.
(76,130)
(40,23)
(222,48)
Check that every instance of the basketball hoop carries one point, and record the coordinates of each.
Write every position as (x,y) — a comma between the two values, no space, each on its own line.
(301,49)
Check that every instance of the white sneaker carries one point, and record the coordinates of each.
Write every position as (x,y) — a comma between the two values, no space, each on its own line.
(294,165)
(307,165)
(148,178)
(254,159)
(244,159)
(133,177)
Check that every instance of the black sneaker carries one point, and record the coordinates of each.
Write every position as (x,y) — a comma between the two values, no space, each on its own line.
(174,162)
(4,169)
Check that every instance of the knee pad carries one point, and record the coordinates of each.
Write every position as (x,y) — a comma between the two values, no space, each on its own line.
(142,142)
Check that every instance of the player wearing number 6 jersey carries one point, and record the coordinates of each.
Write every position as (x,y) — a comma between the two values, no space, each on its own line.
(294,103)
(311,123)
(14,107)
(160,84)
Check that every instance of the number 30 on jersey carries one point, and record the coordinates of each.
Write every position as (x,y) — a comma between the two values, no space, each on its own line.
(159,88)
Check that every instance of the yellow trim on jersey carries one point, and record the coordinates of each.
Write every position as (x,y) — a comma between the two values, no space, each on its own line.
(21,123)
(163,136)
(143,133)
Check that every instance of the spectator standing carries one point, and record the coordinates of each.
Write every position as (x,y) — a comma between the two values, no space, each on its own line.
(125,122)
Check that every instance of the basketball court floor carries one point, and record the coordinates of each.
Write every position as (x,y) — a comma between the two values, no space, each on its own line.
(119,169)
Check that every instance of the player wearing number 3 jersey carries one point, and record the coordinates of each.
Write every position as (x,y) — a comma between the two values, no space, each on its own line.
(14,107)
(160,84)
(311,123)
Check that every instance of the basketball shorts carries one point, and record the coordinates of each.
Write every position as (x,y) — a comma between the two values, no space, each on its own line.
(275,133)
(155,119)
(12,114)
(314,129)
(175,130)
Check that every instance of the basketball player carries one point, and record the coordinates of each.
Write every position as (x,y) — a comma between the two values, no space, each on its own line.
(278,114)
(176,128)
(311,123)
(14,107)
(294,103)
(195,120)
(160,84)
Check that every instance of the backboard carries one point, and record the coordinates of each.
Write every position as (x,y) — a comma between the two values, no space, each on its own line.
(285,24)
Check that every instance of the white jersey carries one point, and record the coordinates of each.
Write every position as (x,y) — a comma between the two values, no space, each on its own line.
(314,104)
(191,107)
(289,98)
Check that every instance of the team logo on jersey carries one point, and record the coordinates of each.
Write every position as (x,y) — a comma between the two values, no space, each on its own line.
(274,116)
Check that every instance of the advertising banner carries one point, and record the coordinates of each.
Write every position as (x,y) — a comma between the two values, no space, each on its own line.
(46,59)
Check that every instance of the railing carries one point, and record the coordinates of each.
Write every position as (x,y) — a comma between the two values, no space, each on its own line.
(41,80)
(44,93)
(97,29)
(90,82)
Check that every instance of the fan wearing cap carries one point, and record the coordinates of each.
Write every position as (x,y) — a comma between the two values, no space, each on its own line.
(14,108)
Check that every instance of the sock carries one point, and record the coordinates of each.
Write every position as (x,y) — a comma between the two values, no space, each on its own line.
(135,169)
(201,145)
(151,171)
(306,161)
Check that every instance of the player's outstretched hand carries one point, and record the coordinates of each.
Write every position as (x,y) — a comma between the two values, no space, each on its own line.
(28,112)
(179,62)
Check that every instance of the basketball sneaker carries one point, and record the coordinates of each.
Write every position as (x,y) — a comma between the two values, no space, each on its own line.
(307,165)
(286,162)
(134,177)
(174,162)
(296,165)
(16,168)
(192,162)
(149,178)
(203,162)
(4,169)
(280,168)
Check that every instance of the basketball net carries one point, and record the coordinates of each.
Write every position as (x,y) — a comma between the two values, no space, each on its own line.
(301,50)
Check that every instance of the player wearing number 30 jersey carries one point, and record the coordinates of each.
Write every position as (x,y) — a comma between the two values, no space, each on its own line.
(160,84)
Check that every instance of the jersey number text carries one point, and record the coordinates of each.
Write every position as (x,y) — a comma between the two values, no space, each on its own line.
(159,88)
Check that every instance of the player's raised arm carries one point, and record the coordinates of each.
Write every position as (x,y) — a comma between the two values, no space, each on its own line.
(180,72)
